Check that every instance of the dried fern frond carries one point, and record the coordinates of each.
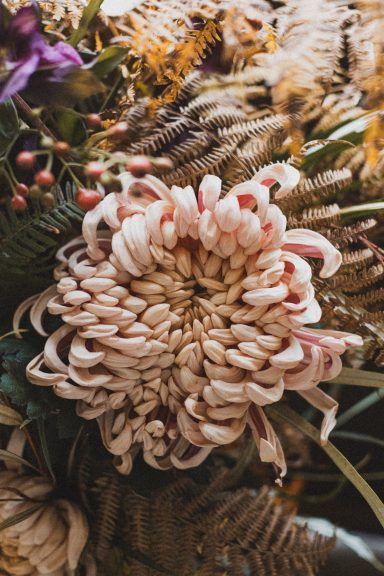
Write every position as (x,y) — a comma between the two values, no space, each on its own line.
(347,313)
(357,259)
(173,38)
(203,131)
(64,13)
(321,186)
(345,235)
(107,493)
(190,529)
(339,107)
(374,297)
(316,218)
(310,36)
(366,50)
(28,244)
(357,280)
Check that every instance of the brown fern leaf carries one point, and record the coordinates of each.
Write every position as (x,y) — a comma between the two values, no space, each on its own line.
(345,235)
(251,156)
(316,218)
(171,38)
(358,280)
(338,108)
(211,133)
(194,529)
(107,495)
(346,313)
(193,172)
(321,186)
(373,296)
(357,259)
(240,133)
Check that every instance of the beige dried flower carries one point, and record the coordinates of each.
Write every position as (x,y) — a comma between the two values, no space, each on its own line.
(187,316)
(50,541)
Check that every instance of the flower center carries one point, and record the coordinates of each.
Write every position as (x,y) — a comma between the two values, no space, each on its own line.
(196,297)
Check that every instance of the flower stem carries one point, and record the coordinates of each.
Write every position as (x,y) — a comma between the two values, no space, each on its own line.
(31,117)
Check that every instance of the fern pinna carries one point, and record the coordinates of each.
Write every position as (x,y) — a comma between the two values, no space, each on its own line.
(29,242)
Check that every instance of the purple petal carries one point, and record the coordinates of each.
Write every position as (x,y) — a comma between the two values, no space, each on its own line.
(24,24)
(18,78)
(59,54)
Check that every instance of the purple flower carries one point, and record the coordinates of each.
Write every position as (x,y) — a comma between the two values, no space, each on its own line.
(24,52)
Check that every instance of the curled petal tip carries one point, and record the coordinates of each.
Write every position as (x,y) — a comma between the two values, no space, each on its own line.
(312,244)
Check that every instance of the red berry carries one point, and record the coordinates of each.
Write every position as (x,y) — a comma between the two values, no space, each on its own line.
(119,130)
(87,199)
(61,148)
(25,159)
(18,203)
(139,166)
(22,190)
(93,121)
(44,178)
(94,170)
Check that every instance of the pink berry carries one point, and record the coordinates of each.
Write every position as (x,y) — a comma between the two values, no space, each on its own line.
(25,160)
(87,199)
(119,130)
(139,166)
(18,203)
(22,190)
(62,148)
(94,170)
(44,178)
(93,121)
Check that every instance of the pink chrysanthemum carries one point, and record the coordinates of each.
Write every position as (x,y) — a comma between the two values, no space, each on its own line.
(50,541)
(184,316)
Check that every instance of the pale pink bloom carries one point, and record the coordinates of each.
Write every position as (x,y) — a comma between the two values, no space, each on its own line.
(50,541)
(183,316)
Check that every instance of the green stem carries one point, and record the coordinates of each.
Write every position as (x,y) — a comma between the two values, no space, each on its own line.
(357,437)
(359,407)
(356,377)
(31,117)
(282,413)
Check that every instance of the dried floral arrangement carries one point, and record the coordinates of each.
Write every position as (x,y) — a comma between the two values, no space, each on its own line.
(190,229)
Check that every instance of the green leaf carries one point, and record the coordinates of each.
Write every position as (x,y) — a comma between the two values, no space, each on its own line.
(25,273)
(44,447)
(368,209)
(360,407)
(9,416)
(282,413)
(108,60)
(37,402)
(88,15)
(74,87)
(19,517)
(356,377)
(358,437)
(6,456)
(9,125)
(70,126)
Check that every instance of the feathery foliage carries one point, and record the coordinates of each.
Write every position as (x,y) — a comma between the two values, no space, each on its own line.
(29,242)
(189,529)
